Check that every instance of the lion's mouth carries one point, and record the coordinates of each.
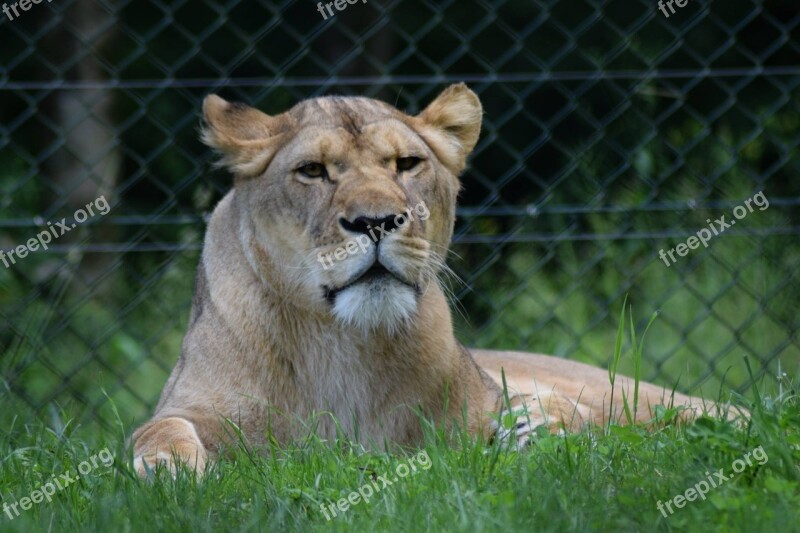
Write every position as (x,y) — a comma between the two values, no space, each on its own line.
(374,272)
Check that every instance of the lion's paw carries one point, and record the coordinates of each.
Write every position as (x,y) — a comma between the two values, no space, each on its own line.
(517,427)
(146,465)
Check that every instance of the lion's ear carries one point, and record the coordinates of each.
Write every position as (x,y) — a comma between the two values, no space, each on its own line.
(246,137)
(452,124)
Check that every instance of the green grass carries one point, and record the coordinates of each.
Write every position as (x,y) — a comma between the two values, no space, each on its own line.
(607,479)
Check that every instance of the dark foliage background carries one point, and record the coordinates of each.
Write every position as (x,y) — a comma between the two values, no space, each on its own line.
(610,132)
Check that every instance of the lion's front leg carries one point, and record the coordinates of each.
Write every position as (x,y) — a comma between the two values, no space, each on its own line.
(529,412)
(168,441)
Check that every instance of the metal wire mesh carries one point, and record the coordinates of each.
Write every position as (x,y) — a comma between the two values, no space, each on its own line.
(611,132)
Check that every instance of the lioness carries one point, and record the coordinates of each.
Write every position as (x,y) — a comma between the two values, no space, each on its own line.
(278,333)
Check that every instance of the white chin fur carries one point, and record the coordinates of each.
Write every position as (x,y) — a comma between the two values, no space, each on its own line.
(372,305)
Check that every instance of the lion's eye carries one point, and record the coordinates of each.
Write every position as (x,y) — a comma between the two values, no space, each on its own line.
(407,163)
(313,170)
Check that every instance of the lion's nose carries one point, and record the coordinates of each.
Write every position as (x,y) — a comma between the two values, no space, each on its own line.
(365,225)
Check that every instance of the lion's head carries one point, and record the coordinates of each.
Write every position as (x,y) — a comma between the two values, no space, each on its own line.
(347,205)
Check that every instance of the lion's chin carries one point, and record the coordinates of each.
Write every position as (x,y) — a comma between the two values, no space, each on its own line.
(373,306)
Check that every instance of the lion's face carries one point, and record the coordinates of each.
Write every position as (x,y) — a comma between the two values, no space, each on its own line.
(348,204)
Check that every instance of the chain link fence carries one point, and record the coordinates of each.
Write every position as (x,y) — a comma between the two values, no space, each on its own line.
(612,132)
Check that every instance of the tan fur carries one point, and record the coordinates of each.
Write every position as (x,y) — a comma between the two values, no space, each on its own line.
(586,387)
(275,339)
